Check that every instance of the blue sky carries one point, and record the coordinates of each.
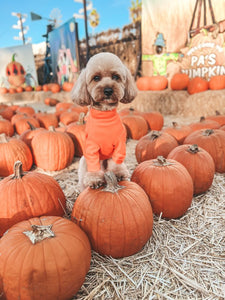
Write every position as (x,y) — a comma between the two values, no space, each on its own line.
(113,14)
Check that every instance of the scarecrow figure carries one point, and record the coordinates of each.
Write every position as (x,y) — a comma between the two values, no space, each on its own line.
(159,58)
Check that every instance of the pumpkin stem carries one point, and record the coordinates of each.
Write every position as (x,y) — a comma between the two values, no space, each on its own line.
(81,119)
(51,128)
(154,134)
(193,148)
(3,138)
(202,119)
(175,125)
(161,161)
(18,170)
(13,57)
(217,113)
(112,185)
(208,132)
(131,110)
(32,127)
(39,233)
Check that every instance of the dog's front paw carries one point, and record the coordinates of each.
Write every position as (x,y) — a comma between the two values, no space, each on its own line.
(120,170)
(94,179)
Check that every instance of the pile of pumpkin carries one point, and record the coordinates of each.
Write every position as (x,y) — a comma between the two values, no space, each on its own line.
(48,87)
(181,81)
(44,253)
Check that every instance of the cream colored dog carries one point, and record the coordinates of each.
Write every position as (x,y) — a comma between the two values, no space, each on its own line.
(104,83)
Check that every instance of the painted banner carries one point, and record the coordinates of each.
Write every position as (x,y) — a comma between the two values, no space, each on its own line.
(167,24)
(17,67)
(63,52)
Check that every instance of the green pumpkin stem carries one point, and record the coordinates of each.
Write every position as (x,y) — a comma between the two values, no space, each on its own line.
(13,57)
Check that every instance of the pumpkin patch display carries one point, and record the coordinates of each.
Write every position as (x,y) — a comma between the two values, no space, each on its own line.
(13,149)
(24,195)
(168,185)
(15,72)
(43,258)
(213,141)
(153,144)
(52,150)
(117,219)
(199,164)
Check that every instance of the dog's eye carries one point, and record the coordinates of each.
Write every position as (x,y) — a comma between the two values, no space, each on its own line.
(97,78)
(115,77)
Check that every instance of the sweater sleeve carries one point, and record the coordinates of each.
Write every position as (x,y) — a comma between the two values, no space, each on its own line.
(119,152)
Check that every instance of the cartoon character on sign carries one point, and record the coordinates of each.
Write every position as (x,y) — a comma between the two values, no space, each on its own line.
(66,67)
(159,58)
(15,73)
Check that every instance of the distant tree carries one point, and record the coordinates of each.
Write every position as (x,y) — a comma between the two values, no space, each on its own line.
(135,10)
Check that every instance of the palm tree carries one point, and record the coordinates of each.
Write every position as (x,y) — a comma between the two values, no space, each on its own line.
(135,10)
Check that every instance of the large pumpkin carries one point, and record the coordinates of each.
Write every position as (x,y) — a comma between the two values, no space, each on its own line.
(179,132)
(153,144)
(15,72)
(136,126)
(179,81)
(24,195)
(168,185)
(199,164)
(197,85)
(11,150)
(117,219)
(213,141)
(158,83)
(52,150)
(43,258)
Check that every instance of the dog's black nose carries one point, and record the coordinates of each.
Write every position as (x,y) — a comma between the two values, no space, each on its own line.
(108,91)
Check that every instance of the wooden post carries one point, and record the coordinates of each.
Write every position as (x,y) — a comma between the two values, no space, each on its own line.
(86,31)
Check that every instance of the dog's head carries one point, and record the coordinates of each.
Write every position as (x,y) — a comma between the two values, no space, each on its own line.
(104,82)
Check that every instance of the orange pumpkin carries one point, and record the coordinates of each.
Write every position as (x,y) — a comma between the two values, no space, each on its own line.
(3,90)
(13,149)
(136,126)
(168,185)
(68,117)
(7,113)
(27,195)
(213,141)
(47,119)
(28,88)
(154,119)
(12,90)
(204,123)
(179,132)
(6,127)
(142,83)
(67,86)
(153,144)
(117,219)
(55,88)
(63,105)
(179,81)
(38,88)
(26,109)
(28,134)
(52,150)
(19,89)
(76,131)
(51,101)
(158,83)
(45,88)
(22,125)
(217,82)
(43,258)
(197,85)
(199,164)
(217,117)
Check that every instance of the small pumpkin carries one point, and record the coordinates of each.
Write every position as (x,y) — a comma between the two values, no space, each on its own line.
(179,81)
(44,258)
(38,88)
(136,126)
(11,150)
(153,144)
(68,117)
(28,134)
(51,101)
(55,88)
(217,82)
(67,86)
(219,118)
(154,119)
(29,194)
(117,218)
(179,132)
(63,105)
(47,119)
(7,113)
(19,89)
(142,83)
(197,85)
(213,141)
(204,123)
(52,150)
(3,90)
(22,125)
(28,88)
(168,185)
(26,109)
(158,83)
(6,127)
(199,164)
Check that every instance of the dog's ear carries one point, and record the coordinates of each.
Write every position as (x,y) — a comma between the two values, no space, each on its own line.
(130,88)
(79,93)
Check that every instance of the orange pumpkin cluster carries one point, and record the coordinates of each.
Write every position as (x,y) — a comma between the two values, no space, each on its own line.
(181,81)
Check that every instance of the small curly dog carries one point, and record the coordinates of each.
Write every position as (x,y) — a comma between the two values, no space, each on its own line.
(104,83)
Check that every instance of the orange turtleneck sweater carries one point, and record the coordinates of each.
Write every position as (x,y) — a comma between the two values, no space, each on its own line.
(105,138)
